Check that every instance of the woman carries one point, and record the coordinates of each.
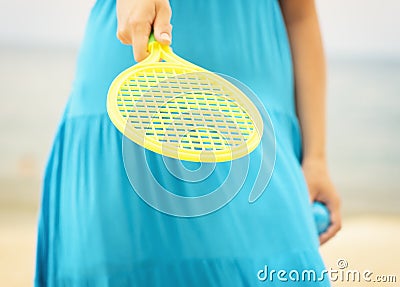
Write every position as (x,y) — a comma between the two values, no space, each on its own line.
(94,230)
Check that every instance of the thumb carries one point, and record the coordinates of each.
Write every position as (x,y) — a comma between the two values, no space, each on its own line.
(312,191)
(162,26)
(313,195)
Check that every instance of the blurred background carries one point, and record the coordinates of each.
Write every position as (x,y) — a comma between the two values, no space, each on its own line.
(39,41)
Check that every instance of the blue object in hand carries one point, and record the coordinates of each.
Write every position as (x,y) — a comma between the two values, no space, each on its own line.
(321,217)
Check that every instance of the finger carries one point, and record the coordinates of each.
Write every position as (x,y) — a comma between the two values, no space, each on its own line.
(162,25)
(124,39)
(312,191)
(140,38)
(336,221)
(330,232)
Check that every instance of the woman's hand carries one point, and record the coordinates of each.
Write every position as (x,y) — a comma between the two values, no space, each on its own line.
(138,18)
(321,189)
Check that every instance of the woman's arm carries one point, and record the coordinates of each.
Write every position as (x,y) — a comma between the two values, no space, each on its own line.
(309,73)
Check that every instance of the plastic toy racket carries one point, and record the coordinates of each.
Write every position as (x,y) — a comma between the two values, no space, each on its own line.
(175,108)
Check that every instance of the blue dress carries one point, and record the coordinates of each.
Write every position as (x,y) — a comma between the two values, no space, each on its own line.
(95,230)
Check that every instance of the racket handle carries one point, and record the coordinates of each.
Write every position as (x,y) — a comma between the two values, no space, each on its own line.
(152,39)
(321,217)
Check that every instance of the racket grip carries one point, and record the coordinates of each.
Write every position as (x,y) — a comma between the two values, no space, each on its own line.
(152,39)
(321,216)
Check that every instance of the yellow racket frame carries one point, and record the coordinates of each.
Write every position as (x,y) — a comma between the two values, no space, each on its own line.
(158,104)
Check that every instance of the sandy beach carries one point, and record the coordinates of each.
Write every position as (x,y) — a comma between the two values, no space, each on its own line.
(366,243)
